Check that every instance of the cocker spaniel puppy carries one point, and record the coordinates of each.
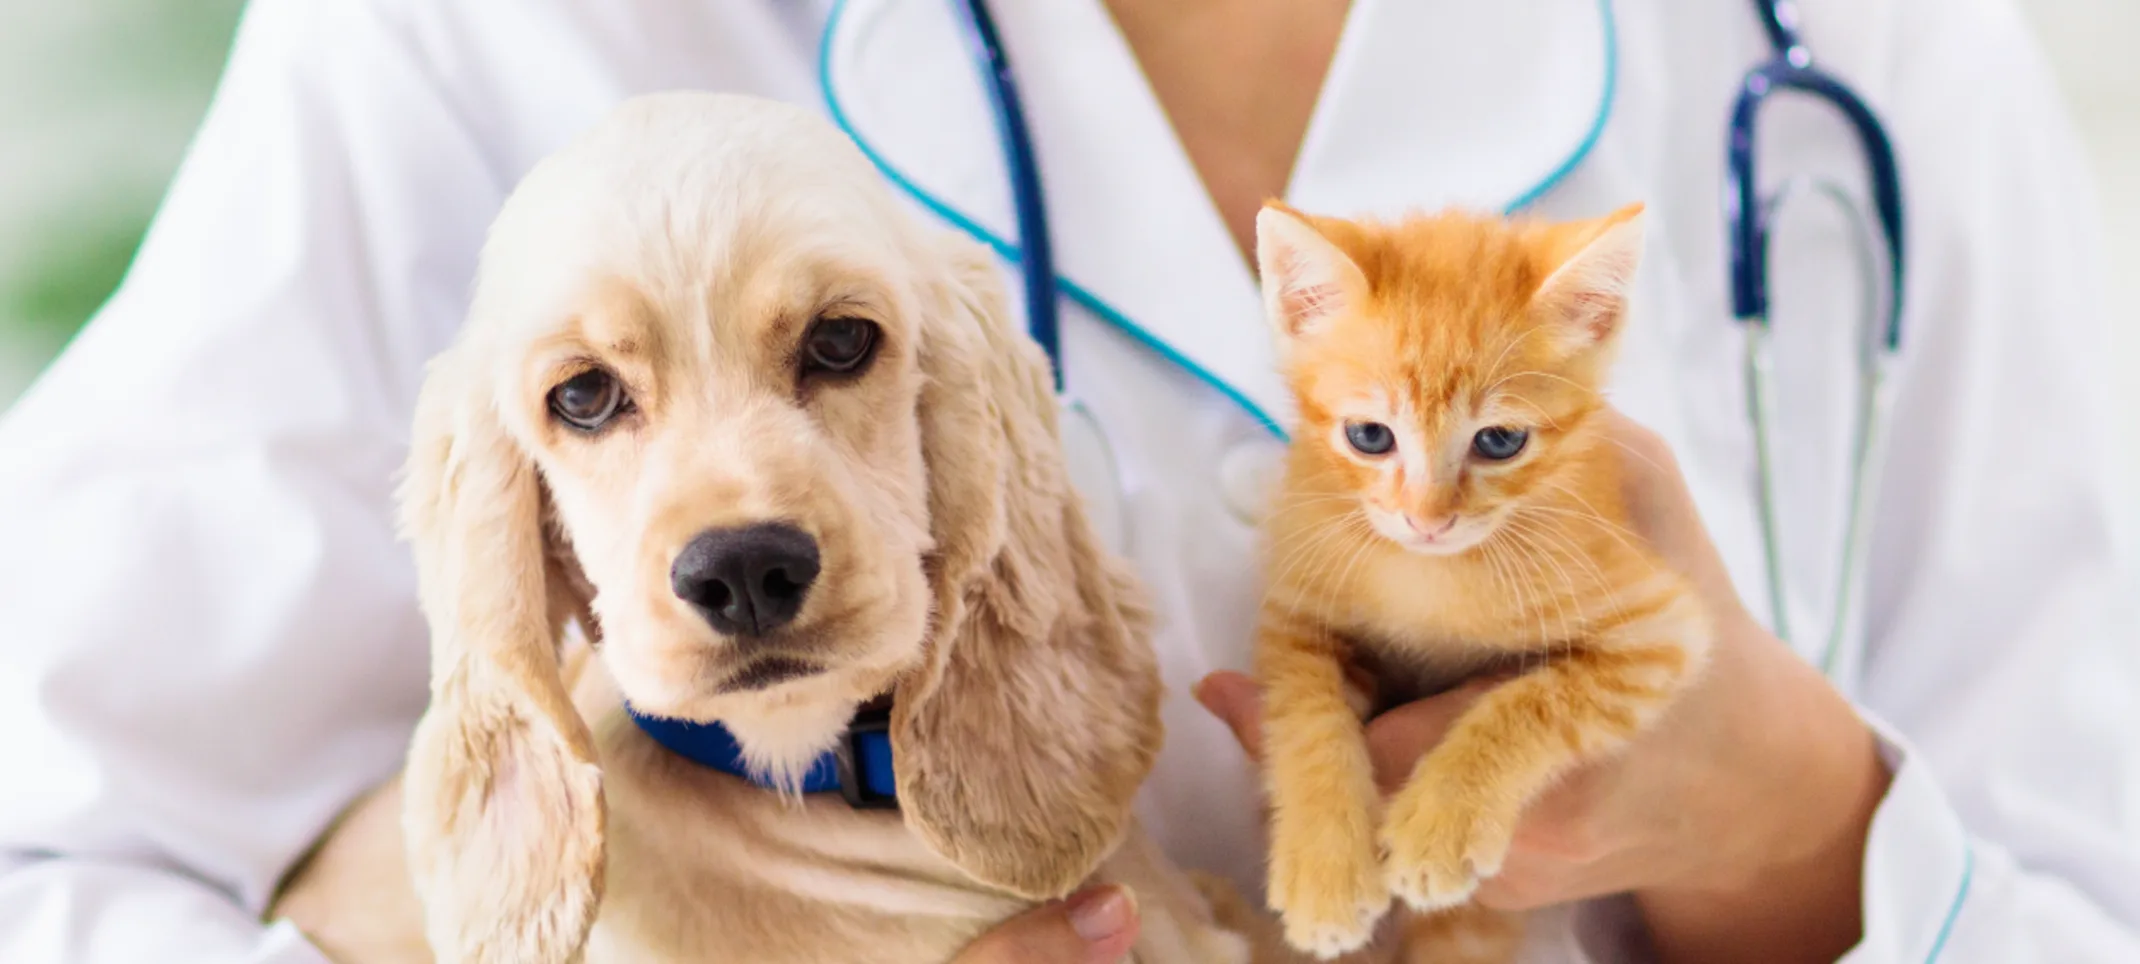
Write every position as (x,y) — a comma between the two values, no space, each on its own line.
(782,455)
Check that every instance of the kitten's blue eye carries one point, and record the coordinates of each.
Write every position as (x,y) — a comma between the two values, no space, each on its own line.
(1499,444)
(1370,438)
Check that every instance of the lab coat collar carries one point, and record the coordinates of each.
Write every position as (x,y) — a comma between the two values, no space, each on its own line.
(1427,103)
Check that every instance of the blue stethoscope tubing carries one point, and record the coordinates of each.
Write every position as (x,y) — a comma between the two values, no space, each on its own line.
(1036,254)
(1749,216)
(1083,435)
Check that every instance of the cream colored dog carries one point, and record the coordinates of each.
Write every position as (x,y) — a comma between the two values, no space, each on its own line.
(775,447)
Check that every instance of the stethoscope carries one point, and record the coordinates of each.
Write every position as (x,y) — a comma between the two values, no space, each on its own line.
(1748,213)
(1088,453)
(1749,216)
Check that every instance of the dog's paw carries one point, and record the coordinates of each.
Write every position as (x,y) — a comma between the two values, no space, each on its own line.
(1439,849)
(1329,892)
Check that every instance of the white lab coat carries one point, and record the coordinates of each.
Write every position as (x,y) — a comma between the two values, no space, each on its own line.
(212,639)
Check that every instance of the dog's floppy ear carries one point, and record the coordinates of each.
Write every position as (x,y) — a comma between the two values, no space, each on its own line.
(503,805)
(1023,739)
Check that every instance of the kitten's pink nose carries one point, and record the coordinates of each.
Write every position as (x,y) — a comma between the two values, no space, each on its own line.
(1432,531)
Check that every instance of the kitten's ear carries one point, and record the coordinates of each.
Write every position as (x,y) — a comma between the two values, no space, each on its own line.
(1306,280)
(1587,294)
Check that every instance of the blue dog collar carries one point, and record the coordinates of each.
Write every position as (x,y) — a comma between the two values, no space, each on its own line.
(858,767)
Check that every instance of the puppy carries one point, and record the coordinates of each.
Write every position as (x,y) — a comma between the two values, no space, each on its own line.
(779,453)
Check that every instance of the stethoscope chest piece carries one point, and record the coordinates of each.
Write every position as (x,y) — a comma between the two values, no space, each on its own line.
(1095,474)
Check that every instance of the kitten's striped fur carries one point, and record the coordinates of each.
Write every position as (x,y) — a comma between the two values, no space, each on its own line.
(1433,557)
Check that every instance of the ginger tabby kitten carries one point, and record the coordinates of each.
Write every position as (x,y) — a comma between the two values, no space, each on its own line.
(1451,507)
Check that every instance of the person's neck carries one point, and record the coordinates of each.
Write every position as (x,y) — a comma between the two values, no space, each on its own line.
(1238,80)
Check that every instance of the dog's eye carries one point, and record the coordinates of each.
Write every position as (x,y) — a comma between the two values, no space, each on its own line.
(588,399)
(838,345)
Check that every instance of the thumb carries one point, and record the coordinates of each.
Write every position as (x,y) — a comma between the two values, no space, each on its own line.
(1397,740)
(1096,925)
(1237,702)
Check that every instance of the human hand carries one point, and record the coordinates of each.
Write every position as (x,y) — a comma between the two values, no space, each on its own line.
(1096,925)
(1741,814)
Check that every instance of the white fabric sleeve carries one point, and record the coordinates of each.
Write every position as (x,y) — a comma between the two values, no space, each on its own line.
(212,642)
(2002,664)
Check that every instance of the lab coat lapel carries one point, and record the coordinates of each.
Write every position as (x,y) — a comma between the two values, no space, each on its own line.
(1428,102)
(1431,103)
(1137,241)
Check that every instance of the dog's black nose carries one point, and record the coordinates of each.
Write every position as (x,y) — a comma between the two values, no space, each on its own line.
(746,581)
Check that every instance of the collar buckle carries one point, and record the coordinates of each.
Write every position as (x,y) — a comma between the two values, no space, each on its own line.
(856,765)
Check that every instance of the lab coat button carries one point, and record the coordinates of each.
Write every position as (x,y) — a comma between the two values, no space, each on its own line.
(1248,477)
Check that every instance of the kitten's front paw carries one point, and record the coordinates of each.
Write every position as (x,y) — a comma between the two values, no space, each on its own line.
(1328,891)
(1439,848)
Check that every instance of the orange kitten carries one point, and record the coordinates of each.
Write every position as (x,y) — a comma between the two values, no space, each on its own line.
(1451,506)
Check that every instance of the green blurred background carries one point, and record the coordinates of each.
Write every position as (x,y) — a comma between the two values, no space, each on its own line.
(97,101)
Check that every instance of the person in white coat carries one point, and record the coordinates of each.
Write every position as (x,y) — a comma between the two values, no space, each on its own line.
(213,644)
